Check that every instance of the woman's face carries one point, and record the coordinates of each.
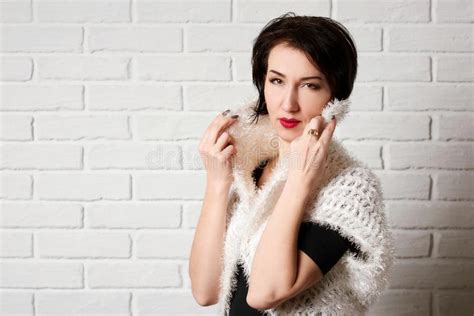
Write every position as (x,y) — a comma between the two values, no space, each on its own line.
(290,96)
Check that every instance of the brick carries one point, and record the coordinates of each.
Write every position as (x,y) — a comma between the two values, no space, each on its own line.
(16,68)
(402,302)
(368,153)
(83,186)
(366,98)
(41,97)
(454,186)
(184,67)
(133,275)
(429,38)
(83,244)
(191,213)
(412,244)
(262,11)
(15,11)
(394,68)
(85,302)
(366,38)
(156,244)
(183,11)
(41,275)
(134,156)
(83,68)
(228,38)
(425,274)
(383,11)
(403,185)
(169,185)
(82,126)
(134,215)
(16,127)
(16,186)
(41,39)
(456,11)
(134,97)
(16,303)
(430,214)
(134,39)
(72,11)
(454,126)
(191,158)
(40,215)
(456,244)
(430,155)
(455,68)
(361,126)
(455,302)
(16,244)
(171,126)
(209,98)
(429,97)
(41,156)
(242,67)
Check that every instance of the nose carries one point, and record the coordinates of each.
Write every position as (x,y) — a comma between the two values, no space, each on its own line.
(290,101)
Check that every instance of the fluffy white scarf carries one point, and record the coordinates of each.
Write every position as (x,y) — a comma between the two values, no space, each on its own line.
(348,200)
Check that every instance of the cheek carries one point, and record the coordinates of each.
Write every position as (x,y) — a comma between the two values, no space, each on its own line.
(273,100)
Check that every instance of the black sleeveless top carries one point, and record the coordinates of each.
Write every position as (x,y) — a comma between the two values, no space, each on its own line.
(325,246)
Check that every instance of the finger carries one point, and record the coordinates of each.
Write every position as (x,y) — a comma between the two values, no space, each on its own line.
(316,161)
(224,127)
(317,125)
(314,145)
(327,134)
(312,124)
(308,126)
(208,132)
(222,141)
(219,126)
(228,151)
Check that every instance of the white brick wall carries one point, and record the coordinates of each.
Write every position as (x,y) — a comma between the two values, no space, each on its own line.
(103,103)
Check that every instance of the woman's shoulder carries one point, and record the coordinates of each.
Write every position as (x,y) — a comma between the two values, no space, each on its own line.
(348,186)
(344,165)
(354,184)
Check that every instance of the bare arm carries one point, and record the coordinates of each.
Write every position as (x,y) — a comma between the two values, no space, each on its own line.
(275,264)
(205,266)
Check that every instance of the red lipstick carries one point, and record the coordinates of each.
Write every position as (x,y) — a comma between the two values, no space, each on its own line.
(288,123)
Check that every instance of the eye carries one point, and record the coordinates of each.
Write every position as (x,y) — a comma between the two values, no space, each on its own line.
(272,80)
(312,86)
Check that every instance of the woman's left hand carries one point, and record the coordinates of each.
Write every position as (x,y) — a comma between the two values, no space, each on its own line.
(308,154)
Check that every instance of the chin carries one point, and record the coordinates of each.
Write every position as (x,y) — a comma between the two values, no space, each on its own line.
(288,135)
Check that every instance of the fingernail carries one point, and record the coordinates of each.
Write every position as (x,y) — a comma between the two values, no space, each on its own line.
(235,116)
(225,112)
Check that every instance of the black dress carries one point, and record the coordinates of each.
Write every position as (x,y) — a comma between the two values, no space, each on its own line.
(328,249)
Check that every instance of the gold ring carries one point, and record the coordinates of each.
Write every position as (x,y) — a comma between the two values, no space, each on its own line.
(314,132)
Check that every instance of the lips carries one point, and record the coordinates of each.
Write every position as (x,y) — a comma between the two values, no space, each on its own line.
(288,123)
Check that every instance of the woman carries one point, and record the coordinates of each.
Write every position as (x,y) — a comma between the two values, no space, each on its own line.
(291,224)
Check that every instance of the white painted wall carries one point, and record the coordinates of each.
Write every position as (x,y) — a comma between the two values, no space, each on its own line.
(103,103)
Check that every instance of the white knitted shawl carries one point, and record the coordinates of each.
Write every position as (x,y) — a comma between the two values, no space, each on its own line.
(348,200)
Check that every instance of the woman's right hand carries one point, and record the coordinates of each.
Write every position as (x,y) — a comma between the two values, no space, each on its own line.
(217,148)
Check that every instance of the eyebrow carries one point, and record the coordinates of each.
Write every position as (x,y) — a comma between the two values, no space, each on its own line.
(304,78)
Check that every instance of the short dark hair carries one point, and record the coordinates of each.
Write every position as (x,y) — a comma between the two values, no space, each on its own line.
(322,39)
